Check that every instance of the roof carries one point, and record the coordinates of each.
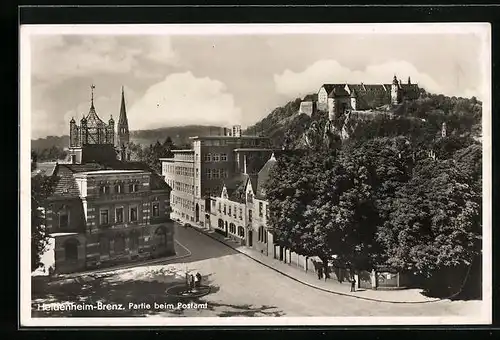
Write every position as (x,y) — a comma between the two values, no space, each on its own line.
(67,187)
(263,176)
(235,187)
(44,169)
(183,150)
(335,90)
(111,172)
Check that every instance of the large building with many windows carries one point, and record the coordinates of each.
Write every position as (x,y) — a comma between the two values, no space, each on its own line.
(198,173)
(104,209)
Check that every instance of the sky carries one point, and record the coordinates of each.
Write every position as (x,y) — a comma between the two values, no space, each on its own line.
(183,79)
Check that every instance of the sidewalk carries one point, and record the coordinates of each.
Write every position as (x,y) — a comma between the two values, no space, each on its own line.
(309,278)
(181,253)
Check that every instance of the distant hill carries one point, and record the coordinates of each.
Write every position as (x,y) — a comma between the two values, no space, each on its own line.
(419,119)
(179,134)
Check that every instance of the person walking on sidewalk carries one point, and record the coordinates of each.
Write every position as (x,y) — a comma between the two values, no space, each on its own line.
(320,273)
(353,284)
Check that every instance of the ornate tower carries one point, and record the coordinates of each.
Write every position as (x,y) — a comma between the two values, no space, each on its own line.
(395,91)
(110,131)
(443,130)
(123,132)
(74,136)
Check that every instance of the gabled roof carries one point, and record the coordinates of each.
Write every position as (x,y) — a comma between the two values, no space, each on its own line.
(263,176)
(44,169)
(66,186)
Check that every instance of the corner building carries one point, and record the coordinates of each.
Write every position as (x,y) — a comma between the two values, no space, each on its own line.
(105,210)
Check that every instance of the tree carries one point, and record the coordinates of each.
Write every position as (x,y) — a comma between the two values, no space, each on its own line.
(435,226)
(41,188)
(289,192)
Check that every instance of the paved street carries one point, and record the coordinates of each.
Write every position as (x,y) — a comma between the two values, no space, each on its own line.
(240,287)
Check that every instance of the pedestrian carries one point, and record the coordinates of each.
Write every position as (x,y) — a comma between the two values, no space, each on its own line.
(198,277)
(196,281)
(353,284)
(320,273)
(191,283)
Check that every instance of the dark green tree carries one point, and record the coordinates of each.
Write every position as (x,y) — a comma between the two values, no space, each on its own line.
(41,188)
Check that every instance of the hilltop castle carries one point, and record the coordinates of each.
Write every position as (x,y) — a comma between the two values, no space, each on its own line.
(338,98)
(94,140)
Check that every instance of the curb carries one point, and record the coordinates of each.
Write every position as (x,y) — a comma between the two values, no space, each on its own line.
(311,285)
(127,266)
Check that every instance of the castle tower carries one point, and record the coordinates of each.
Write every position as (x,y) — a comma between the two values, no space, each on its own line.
(123,132)
(443,130)
(395,91)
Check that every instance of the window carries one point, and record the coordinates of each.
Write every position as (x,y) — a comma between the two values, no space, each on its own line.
(119,215)
(232,228)
(241,231)
(197,172)
(267,211)
(224,209)
(241,213)
(104,217)
(133,214)
(208,173)
(250,215)
(133,188)
(104,190)
(249,197)
(71,249)
(119,188)
(215,173)
(156,209)
(216,157)
(219,207)
(223,157)
(64,219)
(208,157)
(260,209)
(229,210)
(235,211)
(262,235)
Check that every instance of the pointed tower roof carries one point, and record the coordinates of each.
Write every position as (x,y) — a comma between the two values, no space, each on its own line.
(123,121)
(395,81)
(92,118)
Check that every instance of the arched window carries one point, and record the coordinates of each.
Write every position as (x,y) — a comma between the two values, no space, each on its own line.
(232,228)
(71,249)
(241,231)
(119,245)
(161,237)
(220,224)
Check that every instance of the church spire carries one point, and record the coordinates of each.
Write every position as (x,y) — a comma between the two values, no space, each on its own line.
(123,121)
(123,132)
(92,87)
